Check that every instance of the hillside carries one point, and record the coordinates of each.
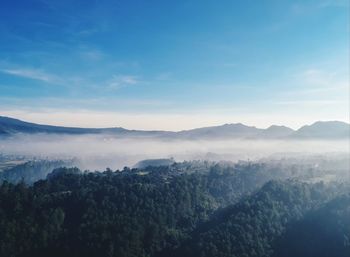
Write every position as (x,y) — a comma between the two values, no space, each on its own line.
(321,233)
(162,212)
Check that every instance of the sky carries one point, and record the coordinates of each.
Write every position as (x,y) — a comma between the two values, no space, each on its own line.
(172,65)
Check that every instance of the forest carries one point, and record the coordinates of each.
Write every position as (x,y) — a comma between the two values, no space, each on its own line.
(185,209)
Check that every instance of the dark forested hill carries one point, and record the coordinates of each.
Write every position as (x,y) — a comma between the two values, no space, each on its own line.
(176,210)
(324,232)
(250,227)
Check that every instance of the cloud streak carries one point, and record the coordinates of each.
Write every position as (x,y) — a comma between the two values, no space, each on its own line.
(120,81)
(318,77)
(115,82)
(32,74)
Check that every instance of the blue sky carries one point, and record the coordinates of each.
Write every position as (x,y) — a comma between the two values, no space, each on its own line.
(174,64)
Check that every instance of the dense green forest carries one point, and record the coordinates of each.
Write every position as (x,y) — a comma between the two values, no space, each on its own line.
(323,232)
(185,209)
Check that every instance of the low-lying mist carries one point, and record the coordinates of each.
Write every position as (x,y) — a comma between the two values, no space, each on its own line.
(96,152)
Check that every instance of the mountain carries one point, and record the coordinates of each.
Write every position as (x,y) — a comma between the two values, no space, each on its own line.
(10,126)
(252,226)
(275,131)
(324,130)
(318,130)
(328,227)
(237,130)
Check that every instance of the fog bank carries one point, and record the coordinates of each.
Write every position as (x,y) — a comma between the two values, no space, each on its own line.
(96,152)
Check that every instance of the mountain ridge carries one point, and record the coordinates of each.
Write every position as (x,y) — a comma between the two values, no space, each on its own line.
(319,130)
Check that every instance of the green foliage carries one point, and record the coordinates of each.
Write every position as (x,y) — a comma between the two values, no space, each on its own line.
(250,227)
(324,232)
(100,214)
(187,209)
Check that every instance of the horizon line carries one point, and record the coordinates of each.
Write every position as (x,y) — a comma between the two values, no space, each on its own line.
(131,129)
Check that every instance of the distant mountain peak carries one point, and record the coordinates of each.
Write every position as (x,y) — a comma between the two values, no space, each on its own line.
(324,129)
(278,126)
(329,123)
(319,129)
(277,131)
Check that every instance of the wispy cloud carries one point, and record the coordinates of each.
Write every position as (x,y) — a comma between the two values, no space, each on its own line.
(304,8)
(310,102)
(314,78)
(90,103)
(120,81)
(317,77)
(334,3)
(164,76)
(318,90)
(318,86)
(32,74)
(92,55)
(77,82)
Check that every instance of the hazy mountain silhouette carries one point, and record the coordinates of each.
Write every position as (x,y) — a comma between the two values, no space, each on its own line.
(12,126)
(275,131)
(324,129)
(318,130)
(237,130)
